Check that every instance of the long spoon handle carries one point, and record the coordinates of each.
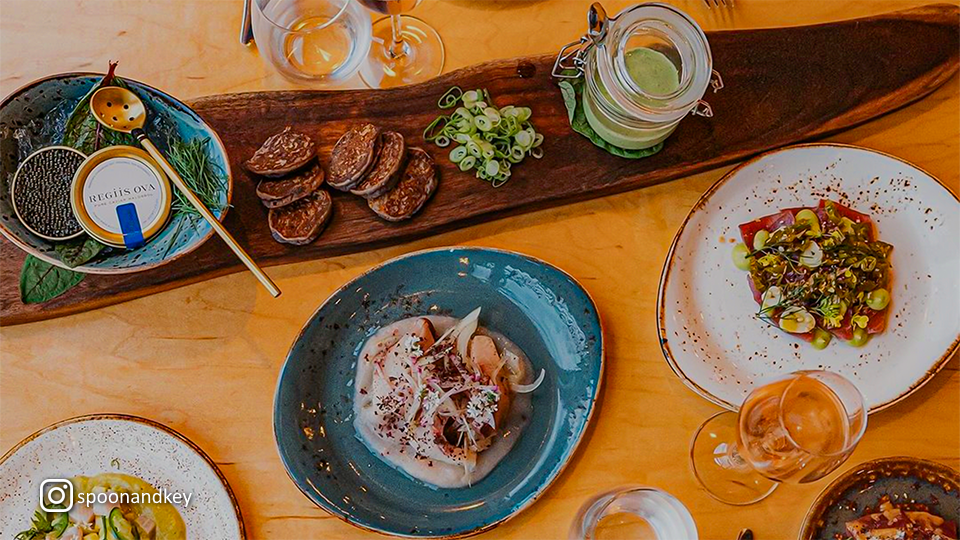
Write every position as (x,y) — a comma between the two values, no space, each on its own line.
(207,215)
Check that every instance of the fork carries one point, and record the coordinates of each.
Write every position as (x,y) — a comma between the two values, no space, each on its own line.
(718,3)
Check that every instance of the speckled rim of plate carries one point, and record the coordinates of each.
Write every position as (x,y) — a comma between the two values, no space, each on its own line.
(701,203)
(82,268)
(576,446)
(851,478)
(147,422)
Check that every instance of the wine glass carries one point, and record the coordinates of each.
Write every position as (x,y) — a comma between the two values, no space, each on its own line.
(797,429)
(405,49)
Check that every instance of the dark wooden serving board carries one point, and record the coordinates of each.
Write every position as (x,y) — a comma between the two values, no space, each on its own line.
(782,86)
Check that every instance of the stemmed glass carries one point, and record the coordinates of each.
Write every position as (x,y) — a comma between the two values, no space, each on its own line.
(405,49)
(796,429)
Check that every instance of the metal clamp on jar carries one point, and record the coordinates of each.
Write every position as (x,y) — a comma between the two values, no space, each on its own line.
(644,70)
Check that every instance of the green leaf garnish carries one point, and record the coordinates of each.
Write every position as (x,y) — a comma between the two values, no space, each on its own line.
(41,281)
(571,91)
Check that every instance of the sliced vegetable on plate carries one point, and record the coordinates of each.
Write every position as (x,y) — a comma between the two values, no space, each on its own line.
(818,272)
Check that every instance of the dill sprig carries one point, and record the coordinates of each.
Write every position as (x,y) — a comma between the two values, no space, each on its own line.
(202,176)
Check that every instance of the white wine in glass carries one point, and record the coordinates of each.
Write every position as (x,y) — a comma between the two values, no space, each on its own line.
(405,50)
(796,429)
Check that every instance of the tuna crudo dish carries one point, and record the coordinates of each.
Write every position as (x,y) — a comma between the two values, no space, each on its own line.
(108,507)
(818,272)
(442,399)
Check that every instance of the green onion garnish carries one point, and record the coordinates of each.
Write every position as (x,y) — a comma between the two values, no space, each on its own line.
(487,140)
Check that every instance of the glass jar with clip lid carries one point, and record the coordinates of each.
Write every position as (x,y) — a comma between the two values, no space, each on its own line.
(644,71)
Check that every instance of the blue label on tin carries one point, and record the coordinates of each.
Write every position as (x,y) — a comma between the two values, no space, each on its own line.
(130,225)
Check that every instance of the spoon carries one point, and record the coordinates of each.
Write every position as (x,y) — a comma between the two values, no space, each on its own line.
(121,110)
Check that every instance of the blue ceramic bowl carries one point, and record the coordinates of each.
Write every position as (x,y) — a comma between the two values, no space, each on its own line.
(26,117)
(540,308)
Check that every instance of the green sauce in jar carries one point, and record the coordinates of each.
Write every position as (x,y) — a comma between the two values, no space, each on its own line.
(653,72)
(655,75)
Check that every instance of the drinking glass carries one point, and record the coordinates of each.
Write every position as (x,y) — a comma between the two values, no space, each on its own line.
(312,41)
(797,429)
(634,513)
(405,49)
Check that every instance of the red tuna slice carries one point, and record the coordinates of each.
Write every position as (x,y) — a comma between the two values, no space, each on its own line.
(767,223)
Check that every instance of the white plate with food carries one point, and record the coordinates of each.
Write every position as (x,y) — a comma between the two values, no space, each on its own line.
(819,256)
(114,476)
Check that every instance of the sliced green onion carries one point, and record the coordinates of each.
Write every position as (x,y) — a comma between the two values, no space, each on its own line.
(488,140)
(450,98)
(435,128)
(458,153)
(483,123)
(523,139)
(467,163)
(474,149)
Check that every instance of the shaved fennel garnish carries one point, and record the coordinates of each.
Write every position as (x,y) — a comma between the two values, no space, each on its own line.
(455,330)
(527,388)
(464,331)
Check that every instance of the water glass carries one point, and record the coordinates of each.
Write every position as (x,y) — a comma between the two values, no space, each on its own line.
(635,513)
(312,41)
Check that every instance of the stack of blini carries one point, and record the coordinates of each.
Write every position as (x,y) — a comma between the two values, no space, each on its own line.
(291,187)
(377,165)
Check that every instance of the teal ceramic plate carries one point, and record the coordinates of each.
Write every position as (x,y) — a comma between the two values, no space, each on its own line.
(540,308)
(26,120)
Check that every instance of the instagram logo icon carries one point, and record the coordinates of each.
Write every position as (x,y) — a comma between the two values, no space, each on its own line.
(56,495)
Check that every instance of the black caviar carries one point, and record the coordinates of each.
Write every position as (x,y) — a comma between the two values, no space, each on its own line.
(41,192)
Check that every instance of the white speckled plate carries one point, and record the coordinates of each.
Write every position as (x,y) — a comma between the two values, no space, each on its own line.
(705,309)
(90,445)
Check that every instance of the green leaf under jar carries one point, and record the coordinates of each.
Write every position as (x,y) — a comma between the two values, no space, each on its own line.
(572,98)
(79,251)
(41,281)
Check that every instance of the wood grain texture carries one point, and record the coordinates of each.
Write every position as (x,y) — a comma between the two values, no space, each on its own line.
(204,358)
(782,86)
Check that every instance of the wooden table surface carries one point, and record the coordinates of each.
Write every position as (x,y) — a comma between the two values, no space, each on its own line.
(204,359)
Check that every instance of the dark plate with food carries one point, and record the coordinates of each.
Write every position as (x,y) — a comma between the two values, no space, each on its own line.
(441,393)
(896,498)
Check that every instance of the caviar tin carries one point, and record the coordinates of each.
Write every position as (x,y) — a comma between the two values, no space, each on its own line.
(40,192)
(121,197)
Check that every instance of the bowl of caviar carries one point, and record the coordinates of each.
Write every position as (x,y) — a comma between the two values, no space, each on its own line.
(46,133)
(40,193)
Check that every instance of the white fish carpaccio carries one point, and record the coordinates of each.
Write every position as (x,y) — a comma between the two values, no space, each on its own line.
(433,466)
